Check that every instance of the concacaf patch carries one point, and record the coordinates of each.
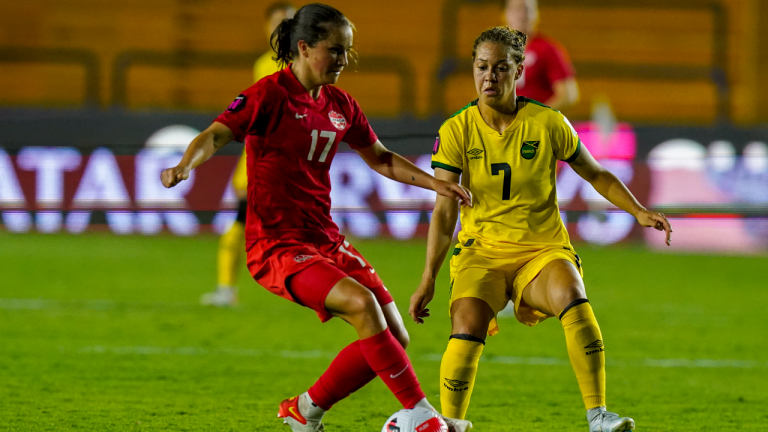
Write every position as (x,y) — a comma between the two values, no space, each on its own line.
(528,151)
(436,147)
(338,120)
(237,104)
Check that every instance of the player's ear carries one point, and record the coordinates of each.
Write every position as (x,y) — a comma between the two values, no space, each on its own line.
(519,71)
(303,48)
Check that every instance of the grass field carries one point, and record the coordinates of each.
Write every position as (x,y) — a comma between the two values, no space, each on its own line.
(103,333)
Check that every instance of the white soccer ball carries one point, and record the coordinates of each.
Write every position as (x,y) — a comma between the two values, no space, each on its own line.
(415,420)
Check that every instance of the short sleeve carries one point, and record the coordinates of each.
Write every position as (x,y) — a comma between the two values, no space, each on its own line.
(360,133)
(246,113)
(565,141)
(446,153)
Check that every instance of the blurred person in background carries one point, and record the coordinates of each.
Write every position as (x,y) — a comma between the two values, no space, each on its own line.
(548,76)
(292,123)
(232,243)
(513,245)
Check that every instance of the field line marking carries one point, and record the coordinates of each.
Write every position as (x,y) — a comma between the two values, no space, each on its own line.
(318,354)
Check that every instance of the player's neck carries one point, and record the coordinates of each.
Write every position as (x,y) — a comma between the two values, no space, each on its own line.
(498,118)
(304,77)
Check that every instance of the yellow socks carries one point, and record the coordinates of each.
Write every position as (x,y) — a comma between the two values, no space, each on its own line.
(231,250)
(457,374)
(585,349)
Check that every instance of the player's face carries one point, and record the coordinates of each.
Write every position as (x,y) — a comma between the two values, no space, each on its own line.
(521,15)
(495,74)
(329,57)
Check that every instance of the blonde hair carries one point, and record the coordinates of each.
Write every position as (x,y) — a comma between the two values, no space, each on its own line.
(514,40)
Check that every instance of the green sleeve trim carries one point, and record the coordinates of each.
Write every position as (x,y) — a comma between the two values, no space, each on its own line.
(575,154)
(466,107)
(535,102)
(445,167)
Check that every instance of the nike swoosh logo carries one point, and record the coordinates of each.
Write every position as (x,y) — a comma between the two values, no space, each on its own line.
(299,116)
(399,373)
(295,414)
(372,270)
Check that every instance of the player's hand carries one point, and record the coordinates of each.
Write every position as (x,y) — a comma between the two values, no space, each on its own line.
(172,176)
(656,220)
(454,191)
(420,299)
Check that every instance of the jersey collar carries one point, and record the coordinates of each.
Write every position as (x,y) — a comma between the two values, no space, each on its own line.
(521,114)
(294,87)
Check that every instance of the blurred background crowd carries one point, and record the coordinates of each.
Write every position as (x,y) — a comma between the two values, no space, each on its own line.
(97,97)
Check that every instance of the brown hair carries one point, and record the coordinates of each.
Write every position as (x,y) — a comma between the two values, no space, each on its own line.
(312,23)
(512,39)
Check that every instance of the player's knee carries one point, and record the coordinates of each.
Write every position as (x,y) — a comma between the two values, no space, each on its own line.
(363,305)
(562,297)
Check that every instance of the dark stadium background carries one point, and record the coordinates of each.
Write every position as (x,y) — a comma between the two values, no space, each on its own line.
(100,268)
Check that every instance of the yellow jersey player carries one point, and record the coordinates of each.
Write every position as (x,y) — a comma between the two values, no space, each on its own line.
(513,244)
(232,243)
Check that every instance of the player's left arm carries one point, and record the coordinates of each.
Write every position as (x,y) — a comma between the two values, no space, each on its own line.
(393,166)
(610,187)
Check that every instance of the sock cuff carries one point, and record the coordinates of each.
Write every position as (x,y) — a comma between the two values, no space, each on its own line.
(572,305)
(464,348)
(466,337)
(377,339)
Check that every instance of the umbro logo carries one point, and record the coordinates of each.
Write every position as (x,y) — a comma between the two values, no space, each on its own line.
(595,347)
(596,344)
(455,385)
(475,153)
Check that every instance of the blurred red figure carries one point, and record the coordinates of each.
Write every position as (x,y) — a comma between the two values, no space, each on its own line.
(292,122)
(548,76)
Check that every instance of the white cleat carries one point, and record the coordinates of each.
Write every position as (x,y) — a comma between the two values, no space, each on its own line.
(222,297)
(605,421)
(456,425)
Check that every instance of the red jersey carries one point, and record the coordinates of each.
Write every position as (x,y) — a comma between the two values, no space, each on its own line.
(290,141)
(546,62)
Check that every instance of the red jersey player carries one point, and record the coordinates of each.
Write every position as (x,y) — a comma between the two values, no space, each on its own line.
(292,122)
(548,76)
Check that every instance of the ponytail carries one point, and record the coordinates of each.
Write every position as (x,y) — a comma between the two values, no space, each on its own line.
(280,41)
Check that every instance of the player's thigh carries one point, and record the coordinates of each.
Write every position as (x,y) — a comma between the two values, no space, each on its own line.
(349,298)
(555,287)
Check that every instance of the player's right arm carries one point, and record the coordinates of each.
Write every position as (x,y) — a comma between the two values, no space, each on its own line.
(441,228)
(200,150)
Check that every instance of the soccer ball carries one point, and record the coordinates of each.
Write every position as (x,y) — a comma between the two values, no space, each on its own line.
(415,420)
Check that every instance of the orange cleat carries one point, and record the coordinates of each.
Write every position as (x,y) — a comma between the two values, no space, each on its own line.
(291,415)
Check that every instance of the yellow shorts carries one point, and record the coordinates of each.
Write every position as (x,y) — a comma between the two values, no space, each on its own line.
(498,278)
(240,178)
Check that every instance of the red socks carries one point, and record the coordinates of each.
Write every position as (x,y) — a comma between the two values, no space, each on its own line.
(387,358)
(359,363)
(348,372)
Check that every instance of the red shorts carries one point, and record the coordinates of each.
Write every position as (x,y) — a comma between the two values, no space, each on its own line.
(274,263)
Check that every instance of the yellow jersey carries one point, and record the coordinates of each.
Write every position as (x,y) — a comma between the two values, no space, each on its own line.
(511,176)
(264,66)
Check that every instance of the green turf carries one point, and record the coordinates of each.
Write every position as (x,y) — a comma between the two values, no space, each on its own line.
(99,332)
